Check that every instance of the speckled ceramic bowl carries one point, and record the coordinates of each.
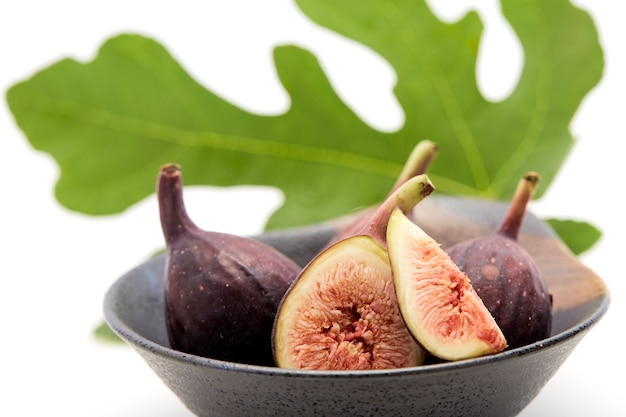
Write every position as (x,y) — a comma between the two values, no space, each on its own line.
(499,385)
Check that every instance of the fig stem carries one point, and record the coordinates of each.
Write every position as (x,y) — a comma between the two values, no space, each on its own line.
(174,217)
(407,196)
(524,192)
(418,162)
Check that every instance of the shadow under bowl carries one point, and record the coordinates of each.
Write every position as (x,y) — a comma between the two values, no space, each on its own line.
(499,385)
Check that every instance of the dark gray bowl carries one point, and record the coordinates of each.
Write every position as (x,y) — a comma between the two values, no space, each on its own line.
(499,385)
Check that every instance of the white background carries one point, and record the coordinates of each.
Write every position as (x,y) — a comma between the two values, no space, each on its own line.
(56,265)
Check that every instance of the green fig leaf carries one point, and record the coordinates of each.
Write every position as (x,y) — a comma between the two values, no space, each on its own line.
(578,236)
(112,122)
(102,332)
(485,146)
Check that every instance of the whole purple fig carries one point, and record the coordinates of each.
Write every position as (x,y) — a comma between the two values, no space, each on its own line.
(221,291)
(506,277)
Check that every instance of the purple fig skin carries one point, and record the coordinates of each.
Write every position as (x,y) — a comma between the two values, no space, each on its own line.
(506,277)
(221,291)
(510,284)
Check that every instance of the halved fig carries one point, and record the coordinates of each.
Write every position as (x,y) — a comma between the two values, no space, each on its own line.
(436,299)
(342,312)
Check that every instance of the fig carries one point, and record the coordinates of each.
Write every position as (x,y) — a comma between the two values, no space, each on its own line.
(221,291)
(506,277)
(436,299)
(341,312)
(417,163)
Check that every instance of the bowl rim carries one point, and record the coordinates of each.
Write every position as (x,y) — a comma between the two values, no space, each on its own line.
(132,337)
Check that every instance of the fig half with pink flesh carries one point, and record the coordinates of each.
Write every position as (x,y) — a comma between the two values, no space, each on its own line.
(436,299)
(341,312)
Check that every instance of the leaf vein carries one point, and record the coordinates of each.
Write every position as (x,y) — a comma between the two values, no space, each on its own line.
(221,141)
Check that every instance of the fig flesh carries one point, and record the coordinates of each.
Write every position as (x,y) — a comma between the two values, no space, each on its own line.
(436,299)
(342,313)
(417,163)
(221,291)
(506,277)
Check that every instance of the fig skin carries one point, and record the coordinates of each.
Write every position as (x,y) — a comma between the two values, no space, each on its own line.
(221,291)
(436,299)
(341,313)
(506,277)
(416,164)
